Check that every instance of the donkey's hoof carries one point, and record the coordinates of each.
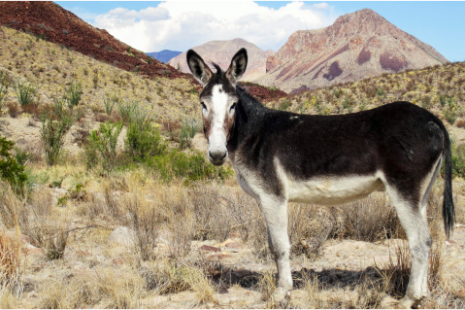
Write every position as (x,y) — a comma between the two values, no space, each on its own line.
(409,303)
(281,297)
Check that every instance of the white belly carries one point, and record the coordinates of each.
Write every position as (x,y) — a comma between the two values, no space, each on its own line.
(333,190)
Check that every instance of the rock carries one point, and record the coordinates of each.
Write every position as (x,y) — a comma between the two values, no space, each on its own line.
(119,261)
(123,235)
(208,248)
(217,257)
(21,142)
(235,245)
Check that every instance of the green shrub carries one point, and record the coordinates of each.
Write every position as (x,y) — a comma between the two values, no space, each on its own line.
(73,94)
(109,104)
(143,138)
(3,89)
(458,160)
(451,115)
(191,167)
(102,145)
(190,126)
(25,94)
(127,109)
(56,124)
(10,170)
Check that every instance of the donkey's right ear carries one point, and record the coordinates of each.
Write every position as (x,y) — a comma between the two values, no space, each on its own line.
(198,68)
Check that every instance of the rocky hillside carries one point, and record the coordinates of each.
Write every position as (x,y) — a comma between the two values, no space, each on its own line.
(221,53)
(49,21)
(356,46)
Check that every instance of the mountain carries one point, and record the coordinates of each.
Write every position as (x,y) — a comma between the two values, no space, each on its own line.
(356,46)
(221,53)
(49,21)
(164,55)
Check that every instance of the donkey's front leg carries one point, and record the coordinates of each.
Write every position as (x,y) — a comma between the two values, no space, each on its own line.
(275,211)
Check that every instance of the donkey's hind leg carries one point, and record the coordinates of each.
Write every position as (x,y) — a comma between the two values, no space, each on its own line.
(419,238)
(275,211)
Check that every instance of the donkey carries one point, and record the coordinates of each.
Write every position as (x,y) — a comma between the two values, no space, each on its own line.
(282,157)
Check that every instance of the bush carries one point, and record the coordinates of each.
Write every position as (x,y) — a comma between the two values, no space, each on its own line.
(143,138)
(56,124)
(10,170)
(458,160)
(190,126)
(176,164)
(102,144)
(128,109)
(25,94)
(3,89)
(109,104)
(73,94)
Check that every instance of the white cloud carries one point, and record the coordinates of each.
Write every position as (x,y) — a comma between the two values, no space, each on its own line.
(182,25)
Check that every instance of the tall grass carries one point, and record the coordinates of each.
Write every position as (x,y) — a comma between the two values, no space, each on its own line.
(73,94)
(56,124)
(101,148)
(25,94)
(143,137)
(4,83)
(190,127)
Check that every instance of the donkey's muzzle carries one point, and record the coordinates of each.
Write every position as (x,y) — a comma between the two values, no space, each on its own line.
(218,157)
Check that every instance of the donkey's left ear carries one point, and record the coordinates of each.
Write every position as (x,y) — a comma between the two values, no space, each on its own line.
(237,67)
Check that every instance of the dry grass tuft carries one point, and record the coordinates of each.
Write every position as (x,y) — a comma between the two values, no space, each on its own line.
(361,220)
(199,282)
(397,273)
(9,258)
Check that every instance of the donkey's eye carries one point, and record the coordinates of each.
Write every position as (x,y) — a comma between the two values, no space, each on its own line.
(232,107)
(204,106)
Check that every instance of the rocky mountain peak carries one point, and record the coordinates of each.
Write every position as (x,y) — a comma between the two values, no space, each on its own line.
(357,45)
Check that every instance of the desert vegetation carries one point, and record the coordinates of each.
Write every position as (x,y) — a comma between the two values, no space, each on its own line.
(107,199)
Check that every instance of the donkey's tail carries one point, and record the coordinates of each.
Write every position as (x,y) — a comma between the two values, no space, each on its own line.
(448,211)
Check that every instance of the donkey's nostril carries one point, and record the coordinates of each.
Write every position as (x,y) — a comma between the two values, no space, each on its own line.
(217,158)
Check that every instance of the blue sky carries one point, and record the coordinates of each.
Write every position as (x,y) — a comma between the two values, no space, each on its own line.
(152,25)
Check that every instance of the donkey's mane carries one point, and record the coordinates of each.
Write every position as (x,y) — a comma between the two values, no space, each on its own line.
(218,68)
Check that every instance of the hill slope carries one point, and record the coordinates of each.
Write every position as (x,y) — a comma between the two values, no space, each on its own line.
(164,55)
(50,21)
(221,53)
(357,45)
(52,68)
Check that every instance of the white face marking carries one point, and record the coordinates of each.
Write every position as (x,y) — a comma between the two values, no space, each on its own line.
(219,101)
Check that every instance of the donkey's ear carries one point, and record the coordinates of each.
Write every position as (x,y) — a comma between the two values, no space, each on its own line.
(198,68)
(237,67)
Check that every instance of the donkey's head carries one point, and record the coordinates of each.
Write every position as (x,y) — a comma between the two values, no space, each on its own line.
(218,99)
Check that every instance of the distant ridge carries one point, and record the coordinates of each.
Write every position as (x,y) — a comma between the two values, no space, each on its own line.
(221,53)
(164,55)
(356,46)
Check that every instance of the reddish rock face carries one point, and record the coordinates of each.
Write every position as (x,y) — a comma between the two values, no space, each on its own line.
(49,21)
(357,45)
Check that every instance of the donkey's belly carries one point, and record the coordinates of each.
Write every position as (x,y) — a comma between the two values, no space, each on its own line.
(333,190)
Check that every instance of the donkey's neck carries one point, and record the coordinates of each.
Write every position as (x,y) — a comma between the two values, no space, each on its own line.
(248,120)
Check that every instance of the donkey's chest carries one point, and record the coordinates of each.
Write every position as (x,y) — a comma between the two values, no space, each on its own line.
(333,190)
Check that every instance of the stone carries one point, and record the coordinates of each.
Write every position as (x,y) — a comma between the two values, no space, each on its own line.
(235,245)
(208,248)
(118,261)
(217,257)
